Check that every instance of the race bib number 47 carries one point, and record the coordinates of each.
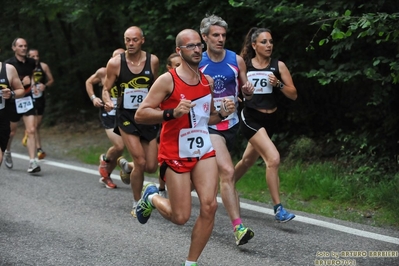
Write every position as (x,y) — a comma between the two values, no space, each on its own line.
(2,102)
(24,104)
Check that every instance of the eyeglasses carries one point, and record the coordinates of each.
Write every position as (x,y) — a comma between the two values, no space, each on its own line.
(192,46)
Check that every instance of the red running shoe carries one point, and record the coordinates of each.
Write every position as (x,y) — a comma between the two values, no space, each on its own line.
(107,181)
(103,167)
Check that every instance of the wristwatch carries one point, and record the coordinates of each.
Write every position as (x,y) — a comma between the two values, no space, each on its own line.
(12,95)
(279,84)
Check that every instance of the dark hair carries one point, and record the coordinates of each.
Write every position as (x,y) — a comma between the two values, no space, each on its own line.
(169,60)
(247,52)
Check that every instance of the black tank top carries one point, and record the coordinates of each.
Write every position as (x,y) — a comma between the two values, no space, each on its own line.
(39,76)
(129,80)
(263,100)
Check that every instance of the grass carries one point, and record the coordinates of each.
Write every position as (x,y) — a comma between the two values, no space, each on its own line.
(318,188)
(325,189)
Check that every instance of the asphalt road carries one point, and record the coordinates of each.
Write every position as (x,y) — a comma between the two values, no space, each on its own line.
(64,216)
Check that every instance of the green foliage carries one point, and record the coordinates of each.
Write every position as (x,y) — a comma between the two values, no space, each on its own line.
(343,57)
(372,28)
(304,148)
(327,189)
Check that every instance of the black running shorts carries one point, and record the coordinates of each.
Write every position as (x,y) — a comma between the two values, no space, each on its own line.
(125,122)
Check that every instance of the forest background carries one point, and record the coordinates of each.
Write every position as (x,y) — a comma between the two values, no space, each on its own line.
(343,57)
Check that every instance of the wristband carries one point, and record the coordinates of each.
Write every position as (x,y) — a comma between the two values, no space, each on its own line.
(222,117)
(12,95)
(92,97)
(168,114)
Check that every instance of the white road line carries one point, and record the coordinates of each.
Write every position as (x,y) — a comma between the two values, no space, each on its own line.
(332,226)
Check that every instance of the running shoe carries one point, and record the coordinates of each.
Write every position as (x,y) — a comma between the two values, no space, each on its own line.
(124,173)
(34,167)
(243,234)
(183,264)
(163,193)
(25,139)
(8,159)
(133,212)
(102,168)
(107,181)
(282,216)
(41,154)
(144,206)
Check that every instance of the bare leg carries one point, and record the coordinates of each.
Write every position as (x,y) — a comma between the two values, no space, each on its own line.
(206,187)
(226,175)
(30,130)
(177,208)
(248,159)
(115,150)
(38,123)
(13,127)
(144,156)
(266,148)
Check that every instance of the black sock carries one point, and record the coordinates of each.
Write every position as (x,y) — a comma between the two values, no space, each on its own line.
(105,159)
(276,207)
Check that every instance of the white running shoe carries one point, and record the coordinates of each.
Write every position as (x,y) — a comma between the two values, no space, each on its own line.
(34,167)
(125,171)
(133,212)
(8,159)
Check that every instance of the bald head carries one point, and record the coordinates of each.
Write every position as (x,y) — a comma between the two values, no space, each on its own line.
(184,35)
(118,51)
(17,41)
(134,30)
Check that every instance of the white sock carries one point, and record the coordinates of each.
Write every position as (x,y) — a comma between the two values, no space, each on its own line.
(126,168)
(190,263)
(150,198)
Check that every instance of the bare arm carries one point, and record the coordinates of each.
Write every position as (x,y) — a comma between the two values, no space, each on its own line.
(49,75)
(247,87)
(94,79)
(148,111)
(15,83)
(288,89)
(155,66)
(112,72)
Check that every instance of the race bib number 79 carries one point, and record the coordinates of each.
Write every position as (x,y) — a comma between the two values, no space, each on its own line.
(194,142)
